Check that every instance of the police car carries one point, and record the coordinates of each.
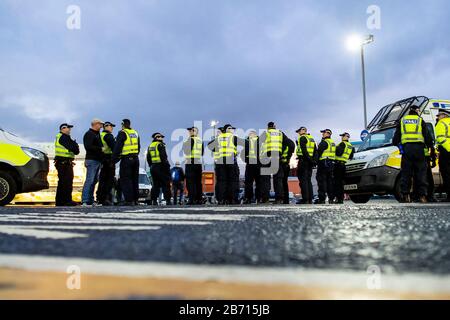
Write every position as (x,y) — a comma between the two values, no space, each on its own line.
(23,168)
(375,168)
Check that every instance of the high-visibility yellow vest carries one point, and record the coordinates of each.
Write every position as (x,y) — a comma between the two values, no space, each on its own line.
(347,152)
(154,152)
(411,129)
(274,141)
(226,146)
(131,145)
(330,151)
(107,149)
(60,150)
(196,150)
(253,147)
(443,133)
(310,145)
(284,155)
(427,152)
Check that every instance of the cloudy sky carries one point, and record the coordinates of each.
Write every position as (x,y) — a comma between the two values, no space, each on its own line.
(167,63)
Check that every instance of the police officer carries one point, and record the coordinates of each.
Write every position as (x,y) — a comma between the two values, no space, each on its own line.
(412,137)
(193,149)
(344,153)
(272,143)
(108,170)
(252,168)
(307,160)
(327,153)
(225,149)
(286,156)
(65,151)
(212,145)
(159,168)
(443,141)
(127,150)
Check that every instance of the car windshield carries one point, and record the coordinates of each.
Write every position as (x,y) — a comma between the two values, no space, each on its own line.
(143,179)
(378,139)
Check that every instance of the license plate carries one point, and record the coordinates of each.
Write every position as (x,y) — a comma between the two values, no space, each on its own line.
(351,187)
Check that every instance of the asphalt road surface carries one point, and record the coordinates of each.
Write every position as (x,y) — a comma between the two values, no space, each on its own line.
(379,250)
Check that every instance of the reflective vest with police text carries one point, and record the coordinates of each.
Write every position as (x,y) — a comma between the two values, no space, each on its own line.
(131,144)
(411,129)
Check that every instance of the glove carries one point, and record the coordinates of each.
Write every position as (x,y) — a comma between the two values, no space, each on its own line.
(433,164)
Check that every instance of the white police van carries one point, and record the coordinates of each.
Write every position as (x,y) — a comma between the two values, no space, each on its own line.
(375,167)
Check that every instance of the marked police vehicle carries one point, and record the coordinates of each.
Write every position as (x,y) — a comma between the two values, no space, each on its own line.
(375,169)
(23,168)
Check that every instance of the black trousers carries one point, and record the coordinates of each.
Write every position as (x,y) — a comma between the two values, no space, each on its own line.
(286,171)
(430,180)
(65,182)
(177,187)
(339,176)
(444,168)
(252,176)
(194,182)
(129,178)
(226,182)
(304,173)
(413,167)
(324,178)
(106,181)
(277,182)
(236,185)
(161,181)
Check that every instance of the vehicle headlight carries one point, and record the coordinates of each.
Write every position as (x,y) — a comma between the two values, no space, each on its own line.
(33,153)
(378,161)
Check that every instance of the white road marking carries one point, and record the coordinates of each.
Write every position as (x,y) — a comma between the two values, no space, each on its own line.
(39,234)
(407,283)
(42,223)
(59,227)
(139,216)
(104,221)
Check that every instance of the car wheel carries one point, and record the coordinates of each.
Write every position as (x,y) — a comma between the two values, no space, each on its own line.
(8,188)
(360,198)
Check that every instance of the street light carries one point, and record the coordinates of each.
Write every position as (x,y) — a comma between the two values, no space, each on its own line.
(354,43)
(213,124)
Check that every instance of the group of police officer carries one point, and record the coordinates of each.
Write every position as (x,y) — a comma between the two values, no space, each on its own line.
(265,156)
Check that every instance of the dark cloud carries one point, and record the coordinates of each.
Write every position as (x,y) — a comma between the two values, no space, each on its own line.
(165,64)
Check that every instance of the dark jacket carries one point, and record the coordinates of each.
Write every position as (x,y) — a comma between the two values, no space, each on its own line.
(397,139)
(181,173)
(187,149)
(291,148)
(120,141)
(71,145)
(305,154)
(340,148)
(323,145)
(246,151)
(110,140)
(162,154)
(93,145)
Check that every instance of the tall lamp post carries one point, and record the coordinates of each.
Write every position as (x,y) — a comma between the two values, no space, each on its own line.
(354,43)
(213,125)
